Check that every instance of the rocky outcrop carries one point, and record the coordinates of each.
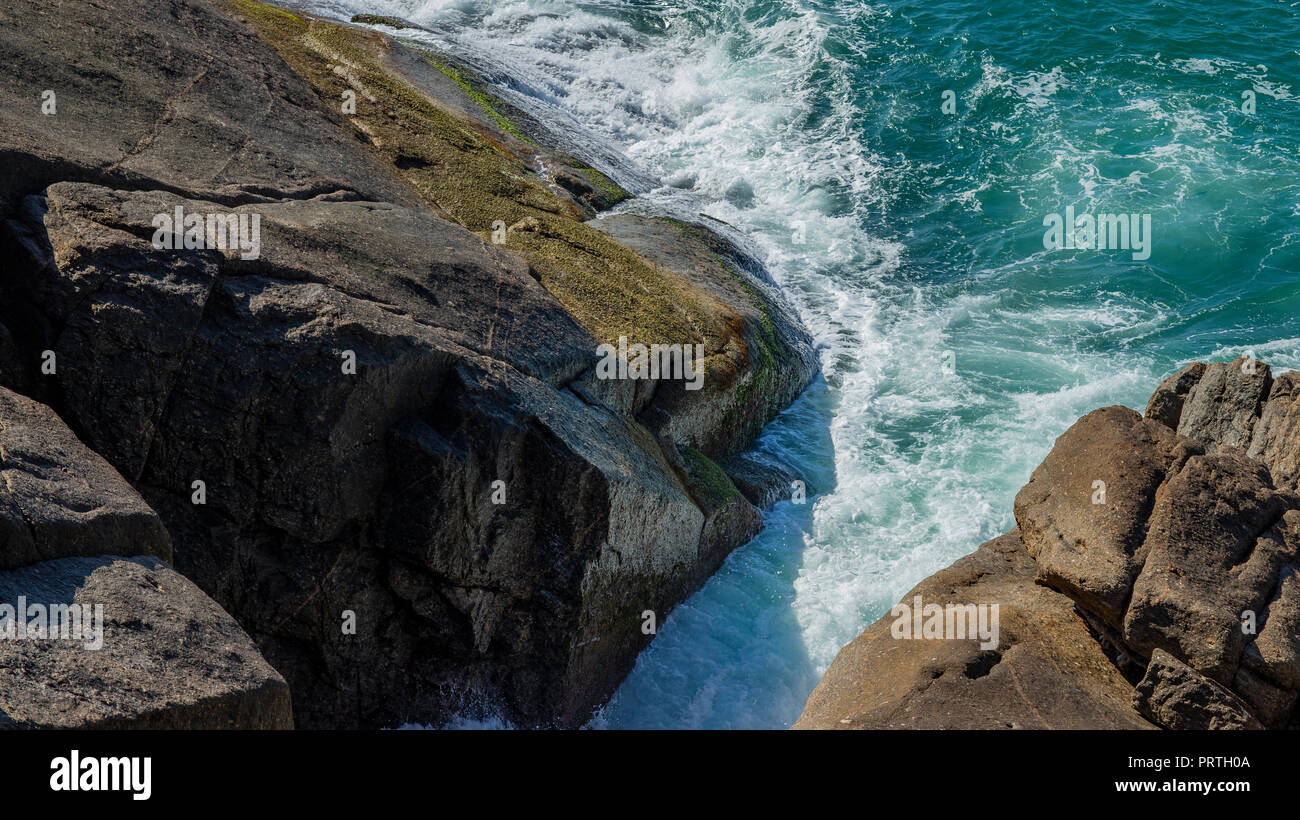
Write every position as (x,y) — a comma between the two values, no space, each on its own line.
(1047,671)
(134,643)
(1173,541)
(380,439)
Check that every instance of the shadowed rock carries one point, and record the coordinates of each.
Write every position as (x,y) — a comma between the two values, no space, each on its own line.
(169,657)
(59,499)
(391,415)
(1176,696)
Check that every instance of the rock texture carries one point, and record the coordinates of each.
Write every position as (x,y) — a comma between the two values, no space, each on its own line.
(164,656)
(381,441)
(1171,538)
(171,657)
(58,498)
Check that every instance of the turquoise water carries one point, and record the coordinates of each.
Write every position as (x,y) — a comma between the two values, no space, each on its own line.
(955,347)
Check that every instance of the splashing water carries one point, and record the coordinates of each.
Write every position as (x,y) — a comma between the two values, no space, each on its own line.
(954,346)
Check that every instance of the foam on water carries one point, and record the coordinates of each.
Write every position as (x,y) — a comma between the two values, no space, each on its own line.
(954,348)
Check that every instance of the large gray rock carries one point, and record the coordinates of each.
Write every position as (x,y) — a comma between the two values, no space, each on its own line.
(372,492)
(1223,405)
(179,97)
(58,498)
(158,654)
(492,523)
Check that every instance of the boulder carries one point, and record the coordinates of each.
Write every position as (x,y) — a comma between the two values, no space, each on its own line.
(1181,575)
(1083,513)
(186,100)
(153,652)
(1217,539)
(1275,439)
(1223,405)
(1176,696)
(1047,671)
(58,498)
(374,439)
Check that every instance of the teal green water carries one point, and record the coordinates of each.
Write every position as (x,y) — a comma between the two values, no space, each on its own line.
(955,346)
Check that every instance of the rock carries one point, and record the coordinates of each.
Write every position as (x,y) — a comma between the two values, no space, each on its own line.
(1082,515)
(1178,697)
(1193,543)
(766,364)
(1275,652)
(1047,671)
(1275,439)
(1222,406)
(1166,404)
(1217,538)
(169,657)
(1271,704)
(759,478)
(59,499)
(188,101)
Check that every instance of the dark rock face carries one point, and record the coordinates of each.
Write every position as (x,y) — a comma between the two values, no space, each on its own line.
(415,494)
(159,654)
(1184,570)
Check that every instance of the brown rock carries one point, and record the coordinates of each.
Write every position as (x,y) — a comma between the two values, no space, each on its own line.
(1093,551)
(1166,404)
(1216,542)
(1047,672)
(1178,697)
(1276,436)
